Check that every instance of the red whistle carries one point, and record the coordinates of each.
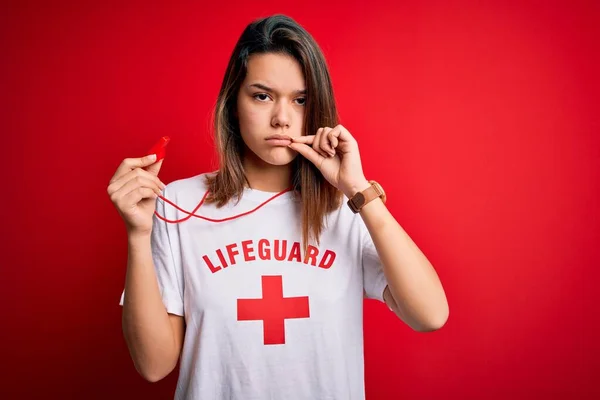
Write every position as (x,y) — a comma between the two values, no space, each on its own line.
(159,148)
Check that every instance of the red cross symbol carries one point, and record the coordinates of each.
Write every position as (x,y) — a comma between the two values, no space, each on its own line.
(273,309)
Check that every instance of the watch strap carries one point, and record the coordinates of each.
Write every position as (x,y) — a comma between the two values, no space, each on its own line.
(360,199)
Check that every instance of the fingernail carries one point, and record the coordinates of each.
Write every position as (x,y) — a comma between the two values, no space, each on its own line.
(152,157)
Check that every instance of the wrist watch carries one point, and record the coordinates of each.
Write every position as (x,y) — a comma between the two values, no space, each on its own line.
(360,199)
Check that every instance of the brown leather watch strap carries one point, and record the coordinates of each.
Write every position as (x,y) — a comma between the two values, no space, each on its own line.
(360,199)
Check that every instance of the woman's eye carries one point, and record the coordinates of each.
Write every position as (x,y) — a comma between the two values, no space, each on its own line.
(264,97)
(261,96)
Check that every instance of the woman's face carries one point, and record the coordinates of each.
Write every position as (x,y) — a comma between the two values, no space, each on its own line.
(270,103)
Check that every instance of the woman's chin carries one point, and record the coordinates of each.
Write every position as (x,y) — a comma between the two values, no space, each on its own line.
(280,156)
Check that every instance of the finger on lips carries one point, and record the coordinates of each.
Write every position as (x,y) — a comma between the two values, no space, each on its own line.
(304,139)
(323,142)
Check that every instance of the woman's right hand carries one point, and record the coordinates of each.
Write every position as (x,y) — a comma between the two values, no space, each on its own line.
(133,191)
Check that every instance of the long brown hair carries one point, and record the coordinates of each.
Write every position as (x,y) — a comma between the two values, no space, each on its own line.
(276,34)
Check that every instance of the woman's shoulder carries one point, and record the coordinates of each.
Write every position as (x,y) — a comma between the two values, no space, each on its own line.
(189,185)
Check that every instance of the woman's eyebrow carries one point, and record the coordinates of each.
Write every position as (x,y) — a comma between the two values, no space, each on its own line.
(268,89)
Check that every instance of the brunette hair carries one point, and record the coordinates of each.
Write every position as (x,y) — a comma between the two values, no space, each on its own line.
(278,34)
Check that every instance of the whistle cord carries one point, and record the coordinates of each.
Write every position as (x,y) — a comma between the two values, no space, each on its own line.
(193,213)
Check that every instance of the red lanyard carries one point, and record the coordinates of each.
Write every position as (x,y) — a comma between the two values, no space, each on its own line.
(192,214)
(159,150)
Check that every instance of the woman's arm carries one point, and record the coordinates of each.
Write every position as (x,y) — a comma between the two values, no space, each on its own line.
(153,336)
(417,293)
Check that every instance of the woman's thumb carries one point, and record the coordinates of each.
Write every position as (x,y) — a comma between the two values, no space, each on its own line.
(154,168)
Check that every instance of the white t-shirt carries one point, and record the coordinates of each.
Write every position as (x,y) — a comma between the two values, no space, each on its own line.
(262,322)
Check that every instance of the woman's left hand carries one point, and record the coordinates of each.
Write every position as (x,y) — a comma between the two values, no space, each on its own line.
(334,151)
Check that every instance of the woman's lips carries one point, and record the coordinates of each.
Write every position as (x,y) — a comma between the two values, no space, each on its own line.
(279,140)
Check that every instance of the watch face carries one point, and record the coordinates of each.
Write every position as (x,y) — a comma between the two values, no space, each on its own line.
(380,189)
(377,187)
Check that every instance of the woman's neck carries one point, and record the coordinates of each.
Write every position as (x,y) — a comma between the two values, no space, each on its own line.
(266,177)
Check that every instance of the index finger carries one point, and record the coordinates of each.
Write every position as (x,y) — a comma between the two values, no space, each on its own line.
(308,139)
(156,153)
(129,164)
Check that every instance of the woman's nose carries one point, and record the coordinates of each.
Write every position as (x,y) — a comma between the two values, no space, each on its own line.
(281,116)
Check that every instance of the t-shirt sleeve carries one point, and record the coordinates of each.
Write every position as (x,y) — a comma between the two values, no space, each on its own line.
(374,280)
(168,266)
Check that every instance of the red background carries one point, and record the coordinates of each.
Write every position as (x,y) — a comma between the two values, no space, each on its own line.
(479,119)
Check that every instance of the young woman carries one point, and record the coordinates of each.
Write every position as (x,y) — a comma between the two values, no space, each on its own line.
(264,300)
